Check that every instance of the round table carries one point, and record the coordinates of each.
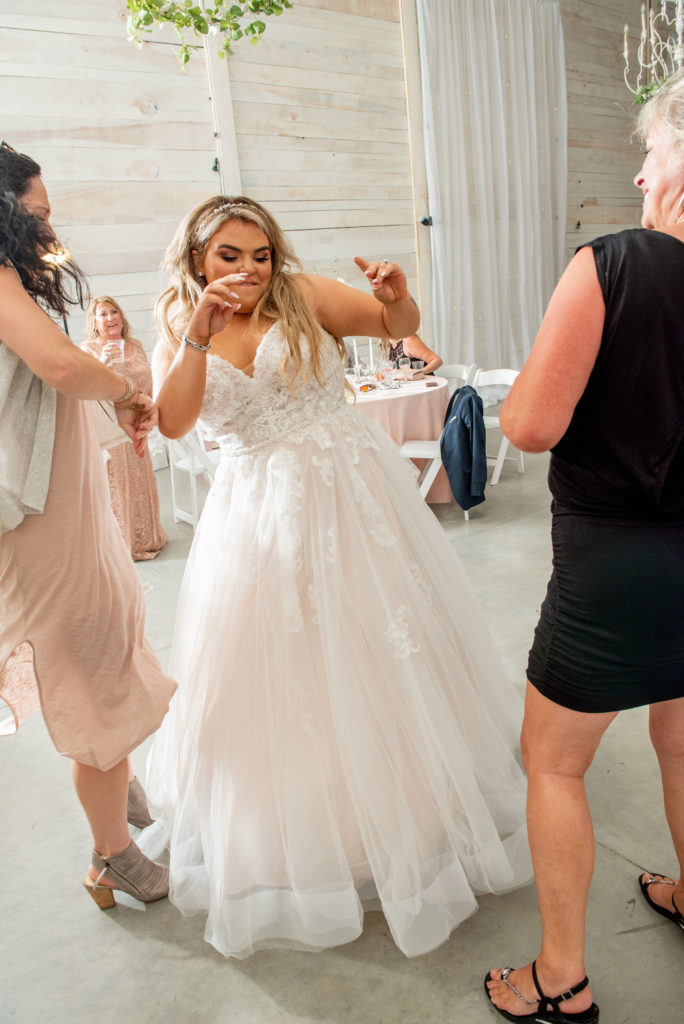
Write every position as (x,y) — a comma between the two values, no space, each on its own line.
(412,412)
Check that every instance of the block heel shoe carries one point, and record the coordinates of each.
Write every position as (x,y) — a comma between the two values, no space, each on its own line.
(131,872)
(137,811)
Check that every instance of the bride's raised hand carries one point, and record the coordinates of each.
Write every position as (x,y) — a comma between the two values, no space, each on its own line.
(387,280)
(216,306)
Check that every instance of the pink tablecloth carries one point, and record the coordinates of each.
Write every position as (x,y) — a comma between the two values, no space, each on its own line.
(414,412)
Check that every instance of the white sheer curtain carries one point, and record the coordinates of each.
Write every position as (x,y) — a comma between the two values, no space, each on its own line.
(495,116)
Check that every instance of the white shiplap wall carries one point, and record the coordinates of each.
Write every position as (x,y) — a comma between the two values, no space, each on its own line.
(124,138)
(601,160)
(314,117)
(322,133)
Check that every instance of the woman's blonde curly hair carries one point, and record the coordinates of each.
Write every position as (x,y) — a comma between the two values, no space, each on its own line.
(91,323)
(282,302)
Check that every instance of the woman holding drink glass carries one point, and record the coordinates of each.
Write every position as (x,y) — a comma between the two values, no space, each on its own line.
(132,485)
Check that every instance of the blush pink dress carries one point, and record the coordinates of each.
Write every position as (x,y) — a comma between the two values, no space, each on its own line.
(72,612)
(132,486)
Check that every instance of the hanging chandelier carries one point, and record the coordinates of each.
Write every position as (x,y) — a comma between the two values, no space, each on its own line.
(661,47)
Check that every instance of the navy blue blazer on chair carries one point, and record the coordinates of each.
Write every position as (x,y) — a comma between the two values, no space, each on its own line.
(464,447)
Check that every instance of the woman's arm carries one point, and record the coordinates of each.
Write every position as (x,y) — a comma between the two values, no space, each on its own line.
(179,383)
(540,405)
(180,379)
(389,312)
(46,350)
(415,349)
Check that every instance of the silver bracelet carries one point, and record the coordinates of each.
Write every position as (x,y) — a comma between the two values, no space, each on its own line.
(128,393)
(193,344)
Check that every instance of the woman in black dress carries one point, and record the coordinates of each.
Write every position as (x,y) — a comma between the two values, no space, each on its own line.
(603,388)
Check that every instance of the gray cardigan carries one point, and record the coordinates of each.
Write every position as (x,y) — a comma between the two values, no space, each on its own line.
(27,433)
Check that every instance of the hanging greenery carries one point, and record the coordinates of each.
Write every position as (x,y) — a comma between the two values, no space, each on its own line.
(230,21)
(645,92)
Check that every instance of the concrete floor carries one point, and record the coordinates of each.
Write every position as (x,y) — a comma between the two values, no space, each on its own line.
(65,962)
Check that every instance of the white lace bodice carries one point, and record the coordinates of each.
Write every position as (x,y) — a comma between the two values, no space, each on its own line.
(246,413)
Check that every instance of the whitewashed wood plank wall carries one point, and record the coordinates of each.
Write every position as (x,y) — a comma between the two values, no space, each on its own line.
(321,130)
(322,133)
(126,141)
(601,159)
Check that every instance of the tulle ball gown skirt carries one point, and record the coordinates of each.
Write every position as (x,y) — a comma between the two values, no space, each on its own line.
(343,733)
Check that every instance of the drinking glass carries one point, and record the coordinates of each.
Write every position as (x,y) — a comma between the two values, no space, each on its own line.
(384,369)
(118,356)
(404,365)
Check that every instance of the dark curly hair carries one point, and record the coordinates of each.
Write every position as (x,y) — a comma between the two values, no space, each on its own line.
(25,240)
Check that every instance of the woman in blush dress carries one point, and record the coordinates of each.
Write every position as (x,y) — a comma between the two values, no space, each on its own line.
(132,485)
(72,610)
(343,735)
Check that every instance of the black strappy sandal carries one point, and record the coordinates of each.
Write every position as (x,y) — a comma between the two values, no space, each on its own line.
(671,915)
(549,1011)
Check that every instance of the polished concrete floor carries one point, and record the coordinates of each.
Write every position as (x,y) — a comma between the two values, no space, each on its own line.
(63,961)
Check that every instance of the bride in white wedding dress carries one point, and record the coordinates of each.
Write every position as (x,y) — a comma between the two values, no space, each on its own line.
(343,732)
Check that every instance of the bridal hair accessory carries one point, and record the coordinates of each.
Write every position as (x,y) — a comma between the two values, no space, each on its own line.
(660,51)
(233,204)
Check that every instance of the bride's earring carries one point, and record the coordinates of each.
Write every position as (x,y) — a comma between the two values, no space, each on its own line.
(679,212)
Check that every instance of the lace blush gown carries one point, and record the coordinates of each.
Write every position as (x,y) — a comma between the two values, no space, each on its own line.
(343,732)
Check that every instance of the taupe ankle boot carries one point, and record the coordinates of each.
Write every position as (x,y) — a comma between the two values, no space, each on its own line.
(137,811)
(132,872)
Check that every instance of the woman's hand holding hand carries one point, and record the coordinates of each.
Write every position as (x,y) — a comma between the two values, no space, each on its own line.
(137,418)
(387,280)
(214,309)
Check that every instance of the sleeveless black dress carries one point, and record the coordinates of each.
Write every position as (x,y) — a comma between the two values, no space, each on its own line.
(611,634)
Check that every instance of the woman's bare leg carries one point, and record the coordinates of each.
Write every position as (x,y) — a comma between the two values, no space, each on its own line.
(104,796)
(667,735)
(558,745)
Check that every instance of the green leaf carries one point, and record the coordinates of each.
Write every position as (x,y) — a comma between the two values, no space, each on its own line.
(644,94)
(229,18)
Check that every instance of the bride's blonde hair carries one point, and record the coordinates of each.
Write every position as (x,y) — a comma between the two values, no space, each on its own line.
(282,301)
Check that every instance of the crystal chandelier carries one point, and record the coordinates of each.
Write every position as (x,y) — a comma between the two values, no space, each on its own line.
(661,47)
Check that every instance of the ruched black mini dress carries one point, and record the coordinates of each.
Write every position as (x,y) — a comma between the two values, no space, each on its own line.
(611,631)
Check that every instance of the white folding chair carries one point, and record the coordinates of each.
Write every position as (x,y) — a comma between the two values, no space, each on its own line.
(499,382)
(458,374)
(189,455)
